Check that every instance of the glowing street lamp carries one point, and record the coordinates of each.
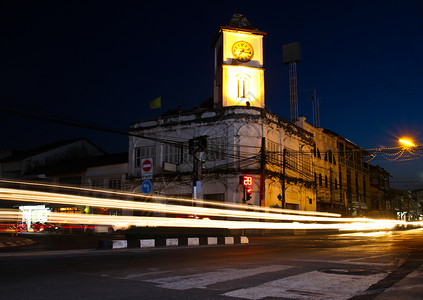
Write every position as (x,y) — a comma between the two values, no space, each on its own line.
(407,142)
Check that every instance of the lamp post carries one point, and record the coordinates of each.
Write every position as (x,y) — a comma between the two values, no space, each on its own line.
(406,142)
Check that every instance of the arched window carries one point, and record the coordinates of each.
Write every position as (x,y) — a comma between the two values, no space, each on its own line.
(243,81)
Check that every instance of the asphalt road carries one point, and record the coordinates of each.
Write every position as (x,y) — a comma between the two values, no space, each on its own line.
(342,266)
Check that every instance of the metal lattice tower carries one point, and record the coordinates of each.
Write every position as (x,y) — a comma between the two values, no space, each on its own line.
(316,110)
(293,91)
(292,55)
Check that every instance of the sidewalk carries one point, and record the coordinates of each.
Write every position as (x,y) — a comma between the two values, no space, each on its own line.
(410,287)
(14,241)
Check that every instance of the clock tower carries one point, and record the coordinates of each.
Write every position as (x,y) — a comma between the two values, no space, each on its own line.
(239,73)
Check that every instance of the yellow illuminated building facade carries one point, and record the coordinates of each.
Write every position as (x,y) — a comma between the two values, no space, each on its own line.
(239,72)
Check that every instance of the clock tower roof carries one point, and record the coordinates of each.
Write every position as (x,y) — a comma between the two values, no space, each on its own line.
(238,22)
(241,22)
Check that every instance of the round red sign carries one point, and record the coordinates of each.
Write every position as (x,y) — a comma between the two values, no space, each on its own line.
(147,165)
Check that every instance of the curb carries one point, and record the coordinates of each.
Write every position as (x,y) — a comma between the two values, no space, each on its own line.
(16,243)
(172,242)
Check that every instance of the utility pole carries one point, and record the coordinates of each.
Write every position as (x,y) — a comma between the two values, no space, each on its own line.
(196,145)
(283,177)
(331,187)
(194,176)
(262,171)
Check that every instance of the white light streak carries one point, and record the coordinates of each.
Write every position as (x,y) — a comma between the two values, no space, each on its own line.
(65,199)
(144,221)
(259,220)
(166,198)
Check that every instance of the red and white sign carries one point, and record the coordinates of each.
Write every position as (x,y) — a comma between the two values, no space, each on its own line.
(147,168)
(146,165)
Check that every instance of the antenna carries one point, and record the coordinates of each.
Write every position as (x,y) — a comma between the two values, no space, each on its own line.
(316,110)
(291,55)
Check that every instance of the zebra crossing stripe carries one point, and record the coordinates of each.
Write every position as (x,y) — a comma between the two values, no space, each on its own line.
(313,285)
(204,279)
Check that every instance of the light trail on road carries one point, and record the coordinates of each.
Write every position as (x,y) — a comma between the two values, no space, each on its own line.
(167,198)
(66,199)
(121,222)
(261,220)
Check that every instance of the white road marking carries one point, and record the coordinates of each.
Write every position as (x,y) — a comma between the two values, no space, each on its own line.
(345,262)
(312,285)
(138,275)
(202,280)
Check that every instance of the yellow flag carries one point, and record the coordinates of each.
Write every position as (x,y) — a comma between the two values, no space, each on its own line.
(156,103)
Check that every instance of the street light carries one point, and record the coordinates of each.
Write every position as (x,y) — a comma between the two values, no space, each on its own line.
(407,142)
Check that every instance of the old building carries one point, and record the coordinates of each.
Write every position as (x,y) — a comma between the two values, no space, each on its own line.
(325,163)
(22,164)
(243,138)
(205,152)
(72,163)
(353,176)
(340,172)
(380,204)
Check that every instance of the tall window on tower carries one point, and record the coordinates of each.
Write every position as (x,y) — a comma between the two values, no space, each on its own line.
(243,81)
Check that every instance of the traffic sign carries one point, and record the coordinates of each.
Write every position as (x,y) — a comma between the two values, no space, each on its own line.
(146,165)
(146,186)
(147,168)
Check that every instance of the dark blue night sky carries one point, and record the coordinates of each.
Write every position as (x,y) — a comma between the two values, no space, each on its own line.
(102,62)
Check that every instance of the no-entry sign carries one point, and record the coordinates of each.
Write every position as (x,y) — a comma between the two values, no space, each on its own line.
(146,165)
(147,168)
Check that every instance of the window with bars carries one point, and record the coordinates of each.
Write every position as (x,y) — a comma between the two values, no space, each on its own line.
(341,150)
(356,184)
(291,159)
(273,152)
(186,157)
(216,148)
(115,184)
(98,182)
(364,190)
(142,153)
(305,163)
(171,154)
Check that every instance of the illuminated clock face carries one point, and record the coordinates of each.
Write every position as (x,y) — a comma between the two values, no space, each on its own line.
(242,51)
